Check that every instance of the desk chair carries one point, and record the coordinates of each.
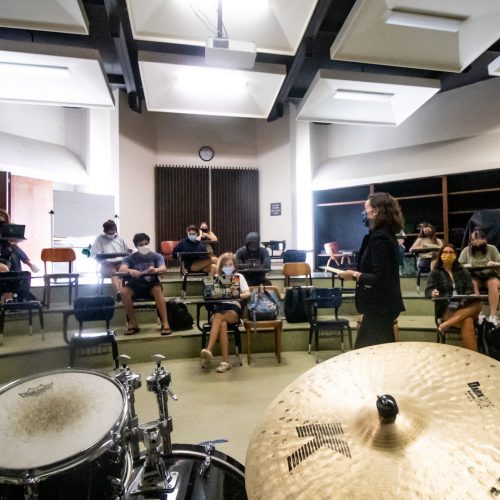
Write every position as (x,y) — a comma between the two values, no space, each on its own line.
(233,328)
(167,250)
(99,308)
(297,269)
(420,272)
(321,299)
(332,250)
(18,284)
(274,325)
(276,248)
(59,255)
(184,263)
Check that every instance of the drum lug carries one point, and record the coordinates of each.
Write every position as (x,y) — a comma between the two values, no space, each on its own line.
(117,488)
(31,489)
(209,450)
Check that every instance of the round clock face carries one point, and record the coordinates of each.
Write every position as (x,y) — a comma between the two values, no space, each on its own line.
(206,153)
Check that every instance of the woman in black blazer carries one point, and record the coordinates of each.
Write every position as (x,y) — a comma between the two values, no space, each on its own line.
(378,291)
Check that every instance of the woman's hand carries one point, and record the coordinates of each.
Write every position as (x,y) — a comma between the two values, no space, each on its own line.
(493,263)
(435,292)
(347,275)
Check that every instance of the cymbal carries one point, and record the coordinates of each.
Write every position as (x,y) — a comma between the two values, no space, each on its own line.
(327,435)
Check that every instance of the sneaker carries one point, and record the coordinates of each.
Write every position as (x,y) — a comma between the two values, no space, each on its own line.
(481,318)
(493,320)
(206,356)
(223,367)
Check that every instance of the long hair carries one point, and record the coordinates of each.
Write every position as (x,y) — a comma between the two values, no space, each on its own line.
(5,215)
(421,234)
(478,234)
(439,263)
(221,262)
(388,212)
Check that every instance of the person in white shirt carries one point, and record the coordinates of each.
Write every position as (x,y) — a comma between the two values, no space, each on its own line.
(110,242)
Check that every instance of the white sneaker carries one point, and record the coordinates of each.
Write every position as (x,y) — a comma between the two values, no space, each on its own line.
(493,320)
(480,318)
(223,367)
(206,356)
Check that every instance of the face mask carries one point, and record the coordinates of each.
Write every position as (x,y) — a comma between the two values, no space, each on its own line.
(192,237)
(143,250)
(228,270)
(110,236)
(364,218)
(448,258)
(204,229)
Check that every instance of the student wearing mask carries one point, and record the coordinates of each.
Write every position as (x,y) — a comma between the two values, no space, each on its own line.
(110,242)
(191,243)
(225,313)
(207,236)
(143,267)
(447,279)
(426,238)
(378,291)
(479,254)
(253,255)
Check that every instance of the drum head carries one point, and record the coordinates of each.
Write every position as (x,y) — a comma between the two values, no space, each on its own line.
(55,416)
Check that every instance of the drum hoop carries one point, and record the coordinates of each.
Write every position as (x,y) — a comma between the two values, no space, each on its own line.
(95,450)
(217,456)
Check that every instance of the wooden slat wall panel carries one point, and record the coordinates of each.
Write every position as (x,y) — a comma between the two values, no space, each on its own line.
(235,206)
(181,198)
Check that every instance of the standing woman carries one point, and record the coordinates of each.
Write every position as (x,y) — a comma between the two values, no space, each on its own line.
(378,291)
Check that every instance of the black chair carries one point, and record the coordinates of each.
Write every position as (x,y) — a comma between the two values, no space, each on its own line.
(276,248)
(185,260)
(234,329)
(100,308)
(321,299)
(422,267)
(454,332)
(18,284)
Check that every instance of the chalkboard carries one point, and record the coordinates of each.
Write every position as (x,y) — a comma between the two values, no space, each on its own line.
(81,214)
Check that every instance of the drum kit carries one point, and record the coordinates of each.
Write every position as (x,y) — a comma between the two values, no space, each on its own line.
(75,435)
(400,420)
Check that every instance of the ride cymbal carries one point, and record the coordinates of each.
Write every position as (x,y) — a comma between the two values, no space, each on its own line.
(336,432)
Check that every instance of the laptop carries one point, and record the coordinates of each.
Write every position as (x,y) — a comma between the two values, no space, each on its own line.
(12,232)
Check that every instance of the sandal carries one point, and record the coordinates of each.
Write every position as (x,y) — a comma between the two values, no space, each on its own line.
(223,367)
(166,331)
(132,331)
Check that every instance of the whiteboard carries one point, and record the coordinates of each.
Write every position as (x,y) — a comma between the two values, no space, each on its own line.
(81,214)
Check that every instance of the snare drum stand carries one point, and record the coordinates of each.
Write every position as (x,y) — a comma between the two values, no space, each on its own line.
(131,381)
(156,437)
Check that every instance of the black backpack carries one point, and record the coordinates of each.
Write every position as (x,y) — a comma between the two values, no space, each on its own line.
(489,340)
(296,307)
(178,315)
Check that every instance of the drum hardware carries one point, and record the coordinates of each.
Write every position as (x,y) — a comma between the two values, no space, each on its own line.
(131,381)
(209,449)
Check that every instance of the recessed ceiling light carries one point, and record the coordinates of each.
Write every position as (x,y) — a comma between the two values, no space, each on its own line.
(424,21)
(34,70)
(362,95)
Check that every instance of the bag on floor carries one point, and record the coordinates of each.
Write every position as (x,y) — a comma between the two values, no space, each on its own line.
(296,307)
(178,315)
(489,340)
(263,306)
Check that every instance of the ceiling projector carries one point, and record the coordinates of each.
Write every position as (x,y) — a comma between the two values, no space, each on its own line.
(227,53)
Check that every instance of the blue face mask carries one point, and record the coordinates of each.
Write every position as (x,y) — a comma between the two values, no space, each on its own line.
(192,237)
(364,218)
(228,270)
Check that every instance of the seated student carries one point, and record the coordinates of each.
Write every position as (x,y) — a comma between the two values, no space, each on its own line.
(191,243)
(479,253)
(207,236)
(426,238)
(447,279)
(14,256)
(253,255)
(224,313)
(142,266)
(110,242)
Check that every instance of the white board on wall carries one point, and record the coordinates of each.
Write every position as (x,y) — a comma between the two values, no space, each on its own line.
(81,214)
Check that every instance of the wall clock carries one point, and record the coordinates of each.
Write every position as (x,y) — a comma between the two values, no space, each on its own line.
(206,153)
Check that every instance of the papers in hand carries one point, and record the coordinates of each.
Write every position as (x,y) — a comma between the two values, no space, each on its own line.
(332,269)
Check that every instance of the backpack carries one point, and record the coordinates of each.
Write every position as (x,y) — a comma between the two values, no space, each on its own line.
(296,308)
(178,315)
(489,340)
(263,306)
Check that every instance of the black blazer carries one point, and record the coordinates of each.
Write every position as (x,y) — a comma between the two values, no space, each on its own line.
(378,288)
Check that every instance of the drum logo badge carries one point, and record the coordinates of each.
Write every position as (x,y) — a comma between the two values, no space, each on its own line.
(476,395)
(325,436)
(36,391)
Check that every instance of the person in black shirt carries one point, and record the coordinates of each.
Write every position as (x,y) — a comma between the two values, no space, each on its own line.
(378,291)
(255,257)
(447,279)
(192,243)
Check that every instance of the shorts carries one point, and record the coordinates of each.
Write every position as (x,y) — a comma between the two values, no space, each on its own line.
(141,287)
(224,306)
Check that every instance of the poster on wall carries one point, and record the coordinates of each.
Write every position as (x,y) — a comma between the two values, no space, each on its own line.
(275,209)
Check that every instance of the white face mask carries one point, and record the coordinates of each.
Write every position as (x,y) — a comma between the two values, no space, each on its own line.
(143,250)
(110,236)
(228,270)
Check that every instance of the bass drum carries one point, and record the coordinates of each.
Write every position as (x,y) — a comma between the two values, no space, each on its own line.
(225,479)
(61,437)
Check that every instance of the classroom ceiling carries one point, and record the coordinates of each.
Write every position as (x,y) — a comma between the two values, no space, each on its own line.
(140,44)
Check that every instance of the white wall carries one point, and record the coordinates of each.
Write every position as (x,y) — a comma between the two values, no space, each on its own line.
(456,131)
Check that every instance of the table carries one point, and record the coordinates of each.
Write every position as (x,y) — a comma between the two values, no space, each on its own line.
(472,269)
(428,249)
(253,274)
